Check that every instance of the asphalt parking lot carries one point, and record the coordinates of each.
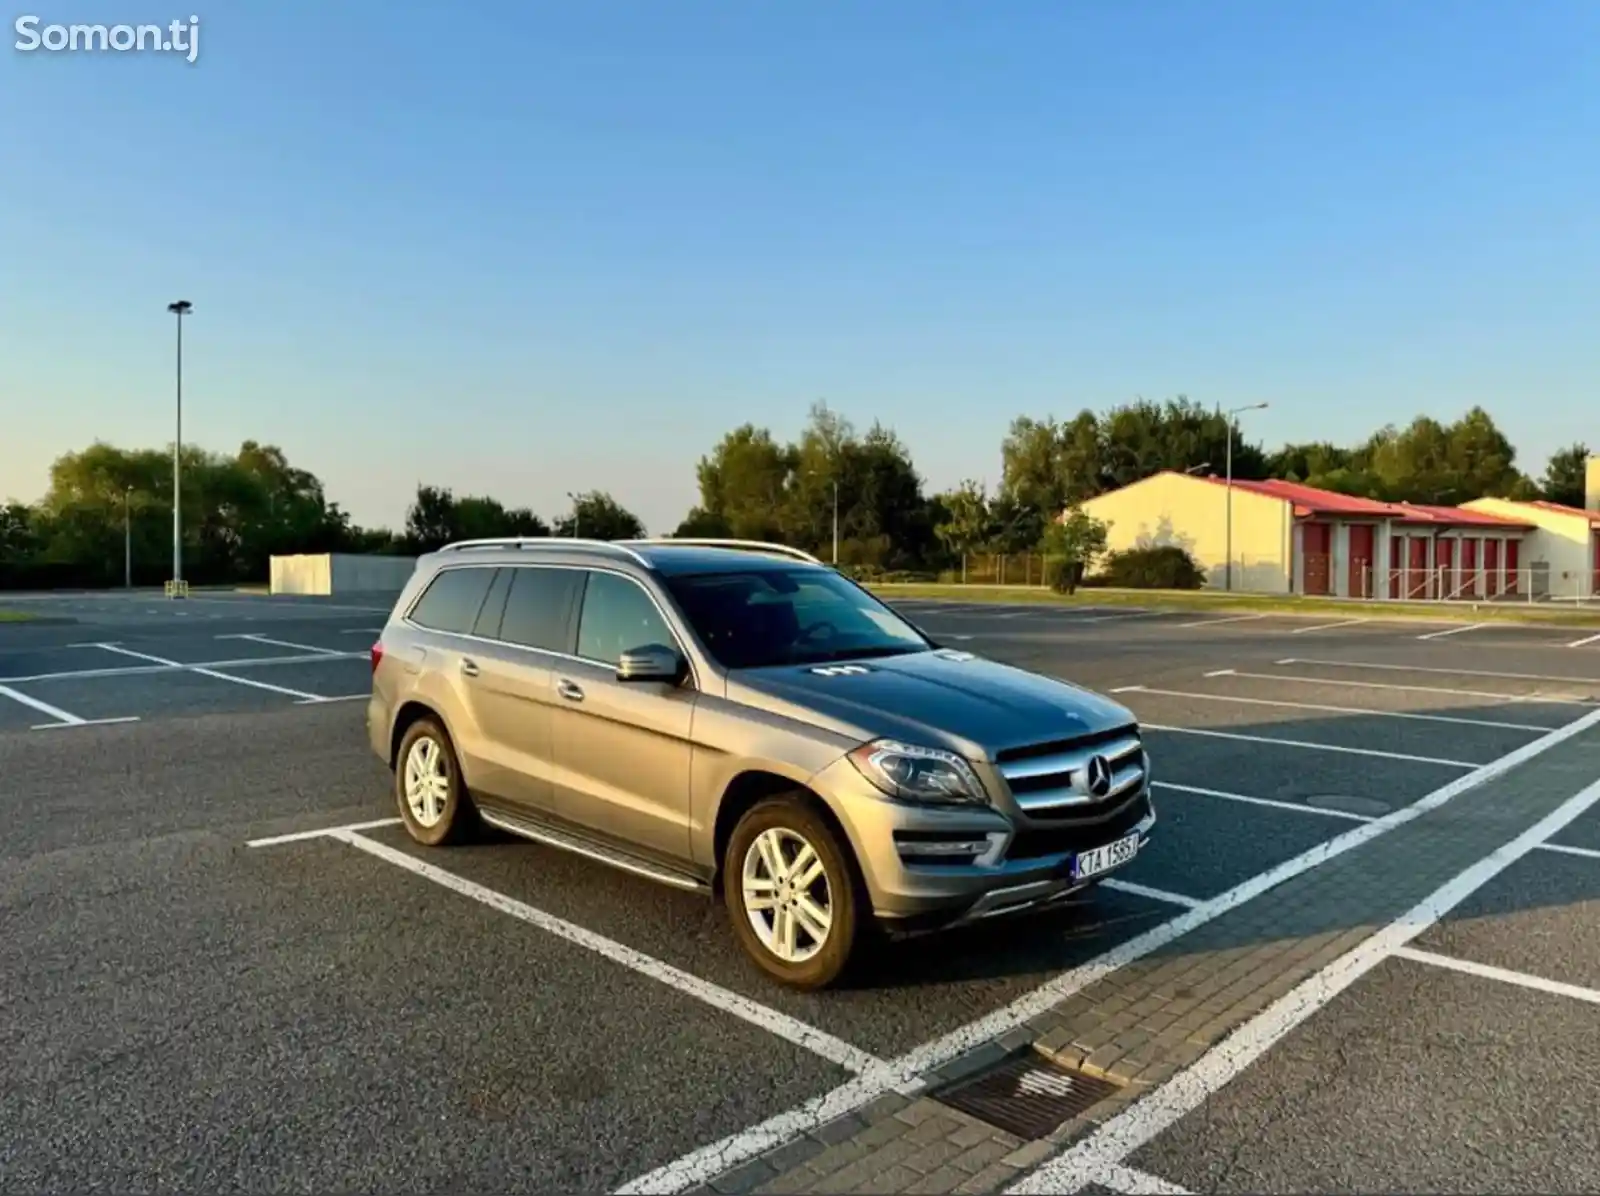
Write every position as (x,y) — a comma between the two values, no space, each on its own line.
(205,988)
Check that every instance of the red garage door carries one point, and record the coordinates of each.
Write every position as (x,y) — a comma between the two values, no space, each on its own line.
(1316,546)
(1491,569)
(1361,552)
(1417,568)
(1468,584)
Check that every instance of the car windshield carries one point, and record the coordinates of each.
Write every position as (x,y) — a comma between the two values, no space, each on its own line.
(783,617)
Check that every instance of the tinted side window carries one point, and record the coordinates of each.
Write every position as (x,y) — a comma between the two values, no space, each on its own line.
(538,606)
(618,616)
(453,599)
(488,624)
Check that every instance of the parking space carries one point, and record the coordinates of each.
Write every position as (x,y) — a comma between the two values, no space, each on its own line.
(564,1024)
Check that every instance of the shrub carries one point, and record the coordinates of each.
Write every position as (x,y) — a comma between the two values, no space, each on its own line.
(1062,575)
(1166,568)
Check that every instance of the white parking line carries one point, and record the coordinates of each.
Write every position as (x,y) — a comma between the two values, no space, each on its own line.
(1084,1162)
(1137,890)
(1439,635)
(261,639)
(206,672)
(322,832)
(1292,807)
(361,631)
(1587,853)
(1588,639)
(1413,668)
(1130,1181)
(1315,747)
(819,1042)
(1535,699)
(55,712)
(1402,714)
(905,1073)
(246,662)
(1328,626)
(1490,972)
(1218,622)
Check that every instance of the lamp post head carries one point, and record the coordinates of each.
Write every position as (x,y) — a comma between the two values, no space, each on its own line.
(181,308)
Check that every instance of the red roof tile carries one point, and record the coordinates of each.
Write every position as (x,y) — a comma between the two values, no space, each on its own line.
(1310,500)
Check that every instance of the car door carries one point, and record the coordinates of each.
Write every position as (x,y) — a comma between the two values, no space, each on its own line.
(622,748)
(513,680)
(444,657)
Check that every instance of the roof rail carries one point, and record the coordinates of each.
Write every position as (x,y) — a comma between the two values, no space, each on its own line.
(746,545)
(554,543)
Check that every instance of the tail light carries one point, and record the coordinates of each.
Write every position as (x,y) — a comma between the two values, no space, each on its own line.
(377,655)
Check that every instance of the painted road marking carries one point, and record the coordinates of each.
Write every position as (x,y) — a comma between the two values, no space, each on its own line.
(254,638)
(361,631)
(322,833)
(61,716)
(1315,747)
(1588,639)
(904,1074)
(1129,1181)
(1404,714)
(1587,853)
(1218,622)
(319,700)
(1162,895)
(207,672)
(1490,972)
(1157,1112)
(1439,635)
(1536,699)
(148,669)
(87,722)
(1411,668)
(1328,626)
(1293,807)
(835,1050)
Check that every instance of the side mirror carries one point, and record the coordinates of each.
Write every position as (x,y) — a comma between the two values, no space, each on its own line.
(653,662)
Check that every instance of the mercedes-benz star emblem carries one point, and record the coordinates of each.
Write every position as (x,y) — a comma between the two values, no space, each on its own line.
(1097,776)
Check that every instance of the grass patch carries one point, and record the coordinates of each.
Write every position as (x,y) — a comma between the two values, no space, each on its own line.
(16,616)
(1289,604)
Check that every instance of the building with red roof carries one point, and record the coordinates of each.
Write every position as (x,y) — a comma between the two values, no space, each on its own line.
(1282,537)
(1562,553)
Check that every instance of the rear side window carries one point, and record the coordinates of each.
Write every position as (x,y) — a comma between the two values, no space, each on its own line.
(618,616)
(538,607)
(452,600)
(488,624)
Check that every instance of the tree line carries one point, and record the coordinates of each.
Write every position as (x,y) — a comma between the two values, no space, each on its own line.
(834,484)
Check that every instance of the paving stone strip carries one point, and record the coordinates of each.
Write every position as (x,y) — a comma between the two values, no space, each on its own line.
(1147,1021)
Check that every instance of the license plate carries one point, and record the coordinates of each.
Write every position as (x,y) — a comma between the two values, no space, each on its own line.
(1104,858)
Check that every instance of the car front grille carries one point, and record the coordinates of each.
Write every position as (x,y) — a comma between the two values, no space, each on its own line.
(1033,843)
(1048,780)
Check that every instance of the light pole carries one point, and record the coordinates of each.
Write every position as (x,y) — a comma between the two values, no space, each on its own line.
(1227,569)
(180,309)
(575,515)
(836,522)
(127,538)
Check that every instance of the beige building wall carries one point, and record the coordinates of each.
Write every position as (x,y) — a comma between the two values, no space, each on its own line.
(1175,509)
(1560,541)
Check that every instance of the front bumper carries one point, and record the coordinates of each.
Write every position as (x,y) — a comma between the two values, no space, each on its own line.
(1011,867)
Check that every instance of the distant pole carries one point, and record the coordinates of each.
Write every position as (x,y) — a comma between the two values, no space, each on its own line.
(127,538)
(180,309)
(1227,569)
(835,521)
(575,514)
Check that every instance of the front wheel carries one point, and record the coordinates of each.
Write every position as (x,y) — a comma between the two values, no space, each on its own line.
(792,893)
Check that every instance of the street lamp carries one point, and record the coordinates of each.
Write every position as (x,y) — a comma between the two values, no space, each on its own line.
(575,515)
(180,309)
(836,522)
(1227,569)
(127,538)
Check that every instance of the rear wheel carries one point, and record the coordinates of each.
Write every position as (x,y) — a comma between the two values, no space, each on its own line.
(433,801)
(792,893)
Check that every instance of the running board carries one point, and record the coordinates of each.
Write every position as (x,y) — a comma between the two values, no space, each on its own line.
(551,837)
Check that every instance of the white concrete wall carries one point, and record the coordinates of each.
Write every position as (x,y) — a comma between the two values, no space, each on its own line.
(1562,544)
(340,573)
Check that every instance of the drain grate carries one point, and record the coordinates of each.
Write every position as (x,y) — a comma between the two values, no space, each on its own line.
(1026,1095)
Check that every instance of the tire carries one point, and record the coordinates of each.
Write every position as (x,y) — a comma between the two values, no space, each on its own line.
(456,816)
(789,823)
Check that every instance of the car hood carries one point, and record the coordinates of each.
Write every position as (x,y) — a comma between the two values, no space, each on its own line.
(945,698)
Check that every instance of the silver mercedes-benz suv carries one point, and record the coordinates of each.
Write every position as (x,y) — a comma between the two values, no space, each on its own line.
(738,718)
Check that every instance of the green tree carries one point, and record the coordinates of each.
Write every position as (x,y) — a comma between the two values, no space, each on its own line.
(597,516)
(1072,545)
(1566,476)
(967,523)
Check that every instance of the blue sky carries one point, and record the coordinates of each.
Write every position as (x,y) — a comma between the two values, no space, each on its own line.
(528,248)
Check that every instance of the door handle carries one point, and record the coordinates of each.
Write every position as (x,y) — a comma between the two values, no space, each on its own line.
(570,690)
(469,667)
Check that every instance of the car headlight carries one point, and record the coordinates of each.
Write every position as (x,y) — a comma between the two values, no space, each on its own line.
(919,774)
